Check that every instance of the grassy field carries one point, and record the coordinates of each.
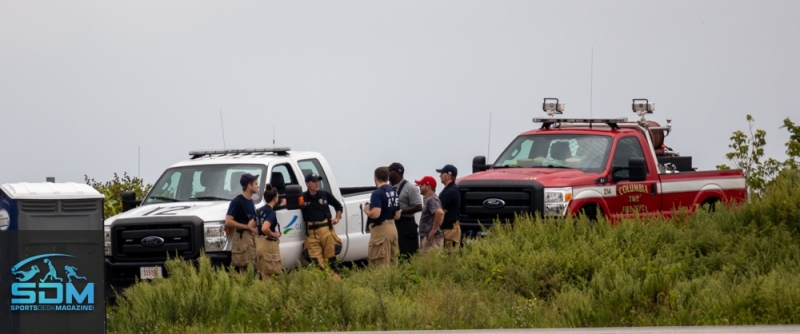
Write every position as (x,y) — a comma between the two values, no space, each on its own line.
(733,266)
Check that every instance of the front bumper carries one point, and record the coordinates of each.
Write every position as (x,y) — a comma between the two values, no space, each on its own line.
(120,275)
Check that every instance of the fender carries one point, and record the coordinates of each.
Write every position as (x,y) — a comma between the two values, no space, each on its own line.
(708,191)
(590,195)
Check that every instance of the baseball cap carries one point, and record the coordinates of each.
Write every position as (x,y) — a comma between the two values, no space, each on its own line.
(449,169)
(397,167)
(311,177)
(247,179)
(427,180)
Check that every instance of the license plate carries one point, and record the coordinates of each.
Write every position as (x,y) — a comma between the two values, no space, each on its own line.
(149,272)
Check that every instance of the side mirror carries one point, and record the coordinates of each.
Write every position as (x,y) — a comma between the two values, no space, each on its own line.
(479,164)
(294,197)
(637,171)
(129,201)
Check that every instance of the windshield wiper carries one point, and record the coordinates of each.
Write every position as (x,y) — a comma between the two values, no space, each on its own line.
(508,166)
(168,199)
(208,198)
(552,166)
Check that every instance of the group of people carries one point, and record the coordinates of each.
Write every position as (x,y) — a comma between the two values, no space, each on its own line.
(394,231)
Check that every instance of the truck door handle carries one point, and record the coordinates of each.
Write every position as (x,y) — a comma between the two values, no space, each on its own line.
(653,189)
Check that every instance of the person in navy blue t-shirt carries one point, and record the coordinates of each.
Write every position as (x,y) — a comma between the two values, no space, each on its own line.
(382,210)
(241,213)
(268,253)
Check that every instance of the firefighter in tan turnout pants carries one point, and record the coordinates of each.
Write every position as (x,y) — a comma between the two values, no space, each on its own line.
(322,244)
(382,210)
(240,218)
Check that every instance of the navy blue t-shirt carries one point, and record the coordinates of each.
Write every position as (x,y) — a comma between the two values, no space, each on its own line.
(267,214)
(385,198)
(242,210)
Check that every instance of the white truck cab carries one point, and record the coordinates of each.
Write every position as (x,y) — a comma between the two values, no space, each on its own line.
(184,212)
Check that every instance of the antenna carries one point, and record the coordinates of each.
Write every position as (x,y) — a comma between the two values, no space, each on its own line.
(273,135)
(139,161)
(489,144)
(591,84)
(223,129)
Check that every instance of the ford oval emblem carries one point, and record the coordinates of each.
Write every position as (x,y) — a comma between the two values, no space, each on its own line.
(494,203)
(152,241)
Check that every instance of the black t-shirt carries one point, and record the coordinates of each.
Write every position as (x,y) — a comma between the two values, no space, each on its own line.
(385,198)
(451,204)
(315,207)
(242,209)
(267,214)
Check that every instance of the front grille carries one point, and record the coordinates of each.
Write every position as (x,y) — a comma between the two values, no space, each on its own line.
(517,200)
(178,240)
(81,205)
(520,196)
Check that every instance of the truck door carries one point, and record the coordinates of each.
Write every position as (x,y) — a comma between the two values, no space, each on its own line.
(290,221)
(632,197)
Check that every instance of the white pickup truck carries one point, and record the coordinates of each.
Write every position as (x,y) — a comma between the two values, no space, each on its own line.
(184,212)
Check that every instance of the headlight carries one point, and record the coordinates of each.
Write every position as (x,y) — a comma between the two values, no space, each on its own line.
(107,240)
(556,201)
(216,239)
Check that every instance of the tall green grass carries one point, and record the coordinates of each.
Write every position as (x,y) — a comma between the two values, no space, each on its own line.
(733,266)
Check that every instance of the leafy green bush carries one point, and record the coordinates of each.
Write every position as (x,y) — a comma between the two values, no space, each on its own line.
(113,190)
(733,266)
(748,155)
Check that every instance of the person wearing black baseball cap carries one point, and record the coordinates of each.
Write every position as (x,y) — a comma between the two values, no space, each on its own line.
(322,244)
(410,203)
(451,203)
(241,218)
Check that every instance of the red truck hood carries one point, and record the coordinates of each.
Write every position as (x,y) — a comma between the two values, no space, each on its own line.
(547,176)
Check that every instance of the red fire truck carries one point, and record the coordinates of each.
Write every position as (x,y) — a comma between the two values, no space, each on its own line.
(594,166)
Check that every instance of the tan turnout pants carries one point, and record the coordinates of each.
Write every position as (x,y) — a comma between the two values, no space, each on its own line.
(244,248)
(383,245)
(268,257)
(321,244)
(452,237)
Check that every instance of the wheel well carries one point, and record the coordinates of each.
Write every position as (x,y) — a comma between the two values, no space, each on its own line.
(712,203)
(591,210)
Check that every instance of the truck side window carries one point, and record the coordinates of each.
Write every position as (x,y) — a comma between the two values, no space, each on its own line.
(627,148)
(282,175)
(313,166)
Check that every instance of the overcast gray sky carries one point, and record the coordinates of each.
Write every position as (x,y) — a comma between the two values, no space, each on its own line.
(84,83)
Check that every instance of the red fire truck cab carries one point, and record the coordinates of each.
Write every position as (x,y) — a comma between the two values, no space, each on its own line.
(608,166)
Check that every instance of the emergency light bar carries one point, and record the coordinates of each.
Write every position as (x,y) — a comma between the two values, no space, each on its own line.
(278,150)
(612,122)
(551,106)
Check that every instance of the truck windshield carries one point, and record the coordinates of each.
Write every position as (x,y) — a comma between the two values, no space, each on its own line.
(585,152)
(203,183)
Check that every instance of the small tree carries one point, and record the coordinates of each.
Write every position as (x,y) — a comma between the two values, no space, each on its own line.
(113,190)
(748,154)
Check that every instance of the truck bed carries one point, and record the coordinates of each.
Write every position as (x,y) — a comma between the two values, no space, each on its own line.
(350,191)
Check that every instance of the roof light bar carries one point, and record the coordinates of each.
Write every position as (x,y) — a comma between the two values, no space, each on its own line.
(612,122)
(552,107)
(279,150)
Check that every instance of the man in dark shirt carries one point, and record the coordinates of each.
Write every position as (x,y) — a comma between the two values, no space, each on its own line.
(410,203)
(382,210)
(451,203)
(322,244)
(241,213)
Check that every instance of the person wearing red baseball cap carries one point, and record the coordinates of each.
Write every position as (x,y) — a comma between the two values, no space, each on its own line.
(430,222)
